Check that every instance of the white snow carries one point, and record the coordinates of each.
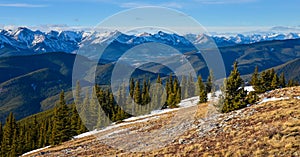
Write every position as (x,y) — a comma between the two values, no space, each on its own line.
(297,97)
(273,99)
(87,134)
(217,94)
(249,88)
(36,150)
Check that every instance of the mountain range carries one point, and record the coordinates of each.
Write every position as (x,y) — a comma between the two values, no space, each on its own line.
(24,41)
(36,66)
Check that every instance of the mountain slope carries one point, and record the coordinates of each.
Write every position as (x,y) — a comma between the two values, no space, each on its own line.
(30,84)
(265,55)
(22,95)
(269,128)
(291,69)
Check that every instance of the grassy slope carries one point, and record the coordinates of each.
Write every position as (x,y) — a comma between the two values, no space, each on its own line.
(270,128)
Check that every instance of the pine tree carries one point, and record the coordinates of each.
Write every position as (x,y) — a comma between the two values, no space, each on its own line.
(62,127)
(78,100)
(177,91)
(92,110)
(137,93)
(209,84)
(157,95)
(235,95)
(145,93)
(75,125)
(202,90)
(265,81)
(190,86)
(282,83)
(21,138)
(255,80)
(131,87)
(292,83)
(8,144)
(34,133)
(275,82)
(184,87)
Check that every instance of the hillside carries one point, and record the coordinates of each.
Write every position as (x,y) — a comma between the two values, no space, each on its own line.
(58,68)
(270,127)
(31,84)
(291,69)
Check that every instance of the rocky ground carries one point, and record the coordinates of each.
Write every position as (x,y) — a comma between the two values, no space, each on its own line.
(271,128)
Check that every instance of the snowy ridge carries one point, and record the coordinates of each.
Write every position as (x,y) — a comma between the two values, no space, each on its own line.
(23,39)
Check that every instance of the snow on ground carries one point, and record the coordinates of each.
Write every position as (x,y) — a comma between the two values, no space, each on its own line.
(154,114)
(36,150)
(273,99)
(297,97)
(87,134)
(216,95)
(249,88)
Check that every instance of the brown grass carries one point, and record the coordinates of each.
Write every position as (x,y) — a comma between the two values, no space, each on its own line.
(272,130)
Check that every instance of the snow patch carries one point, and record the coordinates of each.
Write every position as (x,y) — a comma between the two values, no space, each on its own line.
(87,134)
(273,99)
(34,151)
(154,115)
(249,89)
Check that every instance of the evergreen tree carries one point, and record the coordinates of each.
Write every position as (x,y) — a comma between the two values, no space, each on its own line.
(78,100)
(275,82)
(92,110)
(131,87)
(209,84)
(157,95)
(145,93)
(34,133)
(292,83)
(282,83)
(255,79)
(62,127)
(202,90)
(190,86)
(8,144)
(137,93)
(235,95)
(184,87)
(75,125)
(177,91)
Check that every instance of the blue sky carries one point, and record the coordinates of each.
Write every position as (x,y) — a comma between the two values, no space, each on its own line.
(210,13)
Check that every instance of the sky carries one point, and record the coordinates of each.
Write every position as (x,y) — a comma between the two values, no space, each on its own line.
(216,15)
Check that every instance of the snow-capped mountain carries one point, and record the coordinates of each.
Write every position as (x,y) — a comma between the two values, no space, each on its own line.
(26,41)
(223,40)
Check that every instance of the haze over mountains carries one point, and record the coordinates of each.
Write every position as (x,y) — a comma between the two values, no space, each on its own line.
(24,41)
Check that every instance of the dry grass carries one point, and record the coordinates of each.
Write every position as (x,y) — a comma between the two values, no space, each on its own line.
(268,129)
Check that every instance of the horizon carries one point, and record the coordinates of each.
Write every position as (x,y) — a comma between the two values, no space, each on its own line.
(217,32)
